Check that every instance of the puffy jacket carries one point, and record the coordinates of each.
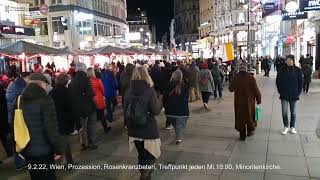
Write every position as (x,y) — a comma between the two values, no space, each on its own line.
(289,83)
(14,90)
(110,84)
(41,119)
(98,90)
(152,105)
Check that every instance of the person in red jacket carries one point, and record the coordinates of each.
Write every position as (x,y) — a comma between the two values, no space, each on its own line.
(99,98)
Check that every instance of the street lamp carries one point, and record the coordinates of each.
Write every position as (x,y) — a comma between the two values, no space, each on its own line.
(247,7)
(141,29)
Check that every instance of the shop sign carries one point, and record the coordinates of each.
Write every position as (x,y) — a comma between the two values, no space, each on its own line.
(32,14)
(310,5)
(286,16)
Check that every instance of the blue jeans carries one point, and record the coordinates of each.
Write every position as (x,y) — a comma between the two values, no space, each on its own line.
(179,124)
(218,87)
(285,106)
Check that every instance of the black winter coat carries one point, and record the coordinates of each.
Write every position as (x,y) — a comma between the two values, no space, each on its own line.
(82,95)
(153,106)
(176,105)
(41,119)
(289,83)
(4,124)
(62,98)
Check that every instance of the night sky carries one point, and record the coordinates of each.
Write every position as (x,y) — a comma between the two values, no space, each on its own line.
(159,12)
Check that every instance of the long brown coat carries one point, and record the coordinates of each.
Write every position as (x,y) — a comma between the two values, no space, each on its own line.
(246,94)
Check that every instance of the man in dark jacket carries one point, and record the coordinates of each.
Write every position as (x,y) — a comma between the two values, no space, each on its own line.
(14,90)
(125,79)
(62,98)
(84,107)
(307,73)
(289,83)
(41,119)
(218,78)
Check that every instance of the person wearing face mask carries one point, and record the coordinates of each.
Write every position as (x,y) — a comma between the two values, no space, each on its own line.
(62,98)
(41,120)
(289,84)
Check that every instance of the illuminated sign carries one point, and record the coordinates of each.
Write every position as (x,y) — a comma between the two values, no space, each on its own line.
(293,16)
(4,29)
(310,5)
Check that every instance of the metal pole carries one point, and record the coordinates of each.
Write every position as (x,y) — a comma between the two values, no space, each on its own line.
(248,35)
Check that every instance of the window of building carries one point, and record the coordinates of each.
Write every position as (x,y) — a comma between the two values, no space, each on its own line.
(42,2)
(57,25)
(56,1)
(36,2)
(85,27)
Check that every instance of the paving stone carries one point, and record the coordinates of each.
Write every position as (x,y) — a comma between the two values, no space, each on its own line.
(284,177)
(312,149)
(230,175)
(246,159)
(314,167)
(285,148)
(290,165)
(251,147)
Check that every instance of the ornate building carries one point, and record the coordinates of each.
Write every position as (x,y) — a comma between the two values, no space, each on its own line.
(83,24)
(186,15)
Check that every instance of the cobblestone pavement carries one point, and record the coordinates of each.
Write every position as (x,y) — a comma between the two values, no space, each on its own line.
(210,138)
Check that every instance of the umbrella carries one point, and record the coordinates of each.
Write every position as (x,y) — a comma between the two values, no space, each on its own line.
(29,49)
(106,50)
(68,50)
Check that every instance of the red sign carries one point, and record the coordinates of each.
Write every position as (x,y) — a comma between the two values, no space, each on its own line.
(290,39)
(44,9)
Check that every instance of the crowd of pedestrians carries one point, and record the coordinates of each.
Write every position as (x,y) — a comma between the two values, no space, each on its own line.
(57,105)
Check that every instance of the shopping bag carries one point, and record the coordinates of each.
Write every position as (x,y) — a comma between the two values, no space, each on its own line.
(21,132)
(258,113)
(318,129)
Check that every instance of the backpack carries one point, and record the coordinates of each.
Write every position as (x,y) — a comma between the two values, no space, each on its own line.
(136,113)
(204,80)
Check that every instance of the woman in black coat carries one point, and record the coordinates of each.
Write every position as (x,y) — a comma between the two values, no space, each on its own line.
(176,104)
(4,125)
(61,96)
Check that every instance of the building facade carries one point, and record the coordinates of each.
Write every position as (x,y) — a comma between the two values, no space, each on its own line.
(79,24)
(140,34)
(186,15)
(231,25)
(206,28)
(12,26)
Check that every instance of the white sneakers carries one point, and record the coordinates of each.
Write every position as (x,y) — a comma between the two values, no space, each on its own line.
(292,131)
(285,131)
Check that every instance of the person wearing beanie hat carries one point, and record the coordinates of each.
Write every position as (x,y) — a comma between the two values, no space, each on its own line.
(40,116)
(289,84)
(246,94)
